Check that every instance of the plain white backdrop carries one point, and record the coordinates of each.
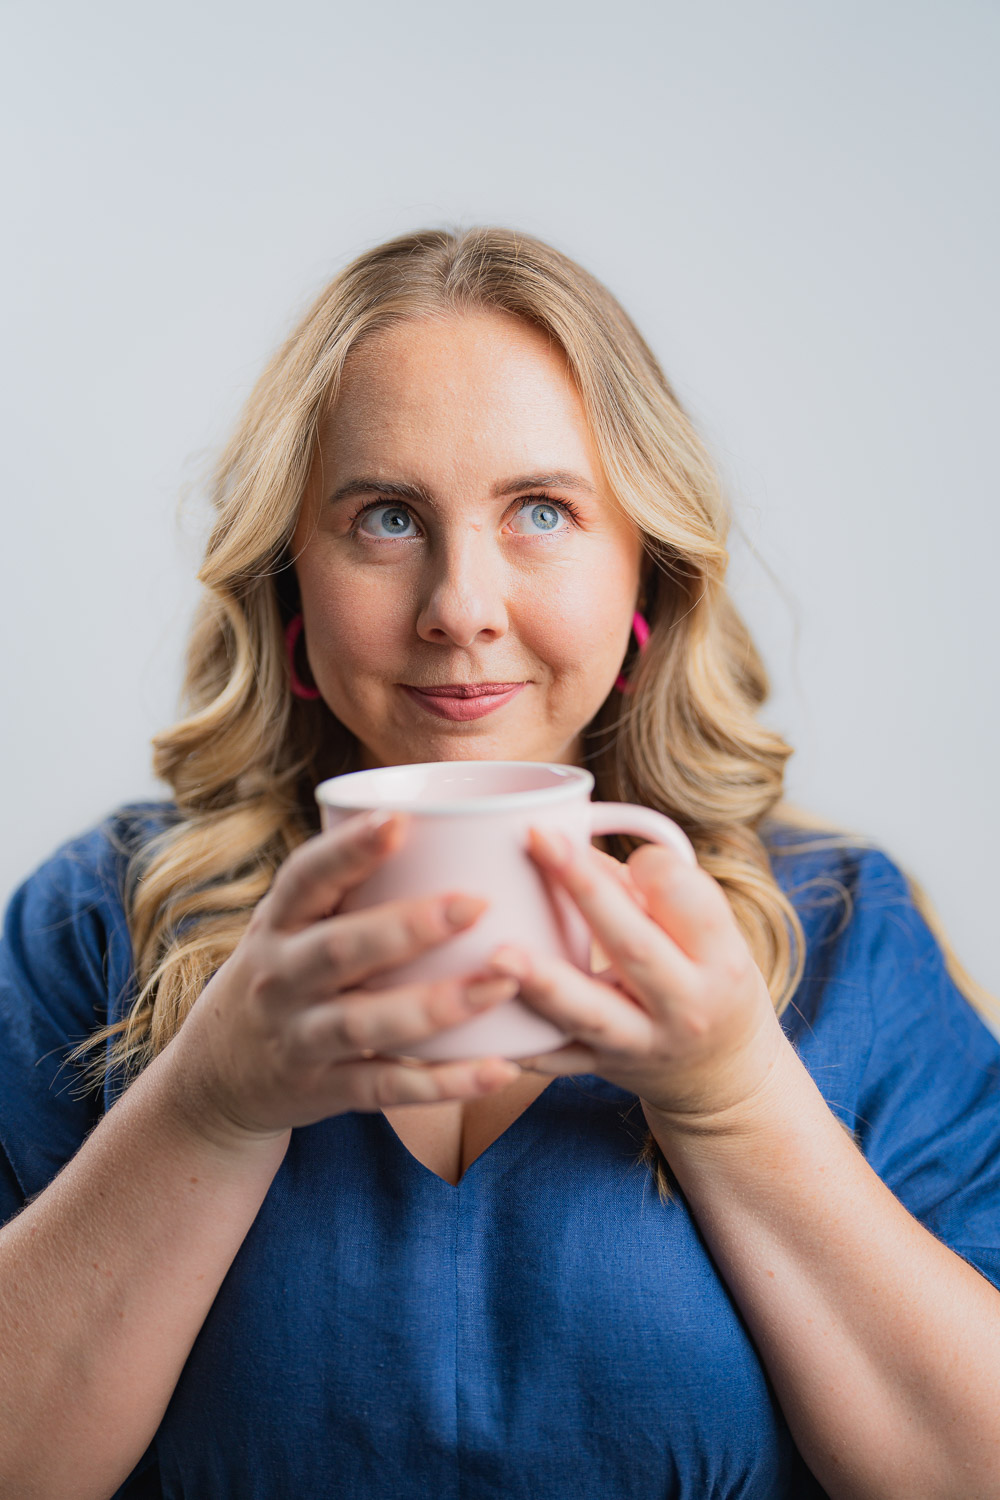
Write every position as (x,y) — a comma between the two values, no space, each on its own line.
(795,201)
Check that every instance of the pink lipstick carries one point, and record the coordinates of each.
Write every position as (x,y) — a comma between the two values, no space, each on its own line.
(461,701)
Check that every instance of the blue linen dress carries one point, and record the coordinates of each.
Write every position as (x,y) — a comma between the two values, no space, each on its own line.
(546,1329)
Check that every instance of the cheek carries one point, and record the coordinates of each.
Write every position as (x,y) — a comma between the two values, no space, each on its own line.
(576,618)
(584,622)
(349,621)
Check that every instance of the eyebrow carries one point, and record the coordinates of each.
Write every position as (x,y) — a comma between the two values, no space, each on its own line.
(560,479)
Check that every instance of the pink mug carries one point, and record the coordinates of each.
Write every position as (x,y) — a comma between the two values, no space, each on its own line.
(469,833)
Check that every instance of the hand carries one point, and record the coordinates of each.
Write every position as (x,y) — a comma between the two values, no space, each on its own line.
(282,1036)
(683,1017)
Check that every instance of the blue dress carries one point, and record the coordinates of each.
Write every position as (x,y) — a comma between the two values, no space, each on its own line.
(546,1329)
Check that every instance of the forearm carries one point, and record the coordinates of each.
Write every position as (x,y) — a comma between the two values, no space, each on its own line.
(105,1280)
(883,1346)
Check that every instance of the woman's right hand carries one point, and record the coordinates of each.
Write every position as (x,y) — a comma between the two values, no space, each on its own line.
(282,1036)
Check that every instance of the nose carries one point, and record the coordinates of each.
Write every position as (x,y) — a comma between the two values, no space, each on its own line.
(464,598)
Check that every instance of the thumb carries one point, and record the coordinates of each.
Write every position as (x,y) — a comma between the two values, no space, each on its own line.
(623,874)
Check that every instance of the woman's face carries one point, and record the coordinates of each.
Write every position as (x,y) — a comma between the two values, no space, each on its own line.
(490,551)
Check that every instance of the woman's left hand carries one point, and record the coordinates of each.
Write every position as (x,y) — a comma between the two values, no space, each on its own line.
(683,1017)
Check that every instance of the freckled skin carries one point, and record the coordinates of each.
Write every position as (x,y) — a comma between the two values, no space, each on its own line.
(473,590)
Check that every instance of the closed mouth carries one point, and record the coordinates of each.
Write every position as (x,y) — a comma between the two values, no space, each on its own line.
(465,689)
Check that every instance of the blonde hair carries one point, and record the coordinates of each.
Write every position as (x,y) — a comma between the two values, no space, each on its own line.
(243,761)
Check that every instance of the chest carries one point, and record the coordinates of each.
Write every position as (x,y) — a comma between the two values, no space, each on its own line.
(447,1137)
(545,1318)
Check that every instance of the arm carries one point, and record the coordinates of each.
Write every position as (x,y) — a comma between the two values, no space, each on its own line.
(883,1345)
(106,1278)
(108,1274)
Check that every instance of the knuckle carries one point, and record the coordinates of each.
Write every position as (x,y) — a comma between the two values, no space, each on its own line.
(544,980)
(337,945)
(636,953)
(298,1044)
(388,1085)
(291,878)
(267,977)
(597,1025)
(356,842)
(694,1025)
(735,968)
(443,1002)
(352,1028)
(349,846)
(422,924)
(260,917)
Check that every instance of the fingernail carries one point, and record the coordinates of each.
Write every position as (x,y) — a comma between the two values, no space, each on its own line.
(497,1070)
(374,823)
(552,845)
(459,911)
(491,991)
(509,961)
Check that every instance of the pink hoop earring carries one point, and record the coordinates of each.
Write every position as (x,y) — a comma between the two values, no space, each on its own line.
(292,633)
(640,628)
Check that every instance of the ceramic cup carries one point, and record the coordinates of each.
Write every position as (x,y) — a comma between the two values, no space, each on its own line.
(469,834)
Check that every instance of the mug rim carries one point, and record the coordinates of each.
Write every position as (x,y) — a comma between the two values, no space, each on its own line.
(577,779)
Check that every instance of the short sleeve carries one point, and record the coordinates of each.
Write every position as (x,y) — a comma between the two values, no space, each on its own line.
(927,1113)
(63,953)
(65,970)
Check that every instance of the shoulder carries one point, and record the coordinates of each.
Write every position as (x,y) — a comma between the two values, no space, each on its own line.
(799,855)
(873,963)
(65,969)
(103,846)
(847,892)
(65,932)
(841,884)
(88,869)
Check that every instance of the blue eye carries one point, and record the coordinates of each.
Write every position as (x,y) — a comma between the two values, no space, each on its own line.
(392,523)
(545,516)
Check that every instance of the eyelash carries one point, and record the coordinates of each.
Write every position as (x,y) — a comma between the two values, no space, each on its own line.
(566,506)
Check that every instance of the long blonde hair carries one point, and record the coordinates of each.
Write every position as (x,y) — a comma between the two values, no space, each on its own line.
(244,759)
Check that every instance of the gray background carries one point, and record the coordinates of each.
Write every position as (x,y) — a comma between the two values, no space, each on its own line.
(795,201)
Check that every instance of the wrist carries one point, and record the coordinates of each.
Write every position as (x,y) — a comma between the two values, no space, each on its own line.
(198,1106)
(739,1097)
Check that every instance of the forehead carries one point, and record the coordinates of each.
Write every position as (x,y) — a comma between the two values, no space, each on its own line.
(478,383)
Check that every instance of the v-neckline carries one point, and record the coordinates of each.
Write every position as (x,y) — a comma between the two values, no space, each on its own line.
(444,1181)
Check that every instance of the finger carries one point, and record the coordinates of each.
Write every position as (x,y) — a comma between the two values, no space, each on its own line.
(623,874)
(382,1082)
(388,1021)
(350,947)
(600,963)
(686,903)
(317,875)
(586,1009)
(645,958)
(561,1063)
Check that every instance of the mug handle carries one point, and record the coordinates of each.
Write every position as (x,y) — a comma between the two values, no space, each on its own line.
(643,822)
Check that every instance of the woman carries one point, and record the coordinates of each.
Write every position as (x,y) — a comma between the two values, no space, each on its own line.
(278,1260)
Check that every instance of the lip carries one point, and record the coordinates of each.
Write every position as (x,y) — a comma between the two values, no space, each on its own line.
(465,689)
(461,701)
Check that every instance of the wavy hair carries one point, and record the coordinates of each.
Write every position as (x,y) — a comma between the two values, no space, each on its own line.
(244,759)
